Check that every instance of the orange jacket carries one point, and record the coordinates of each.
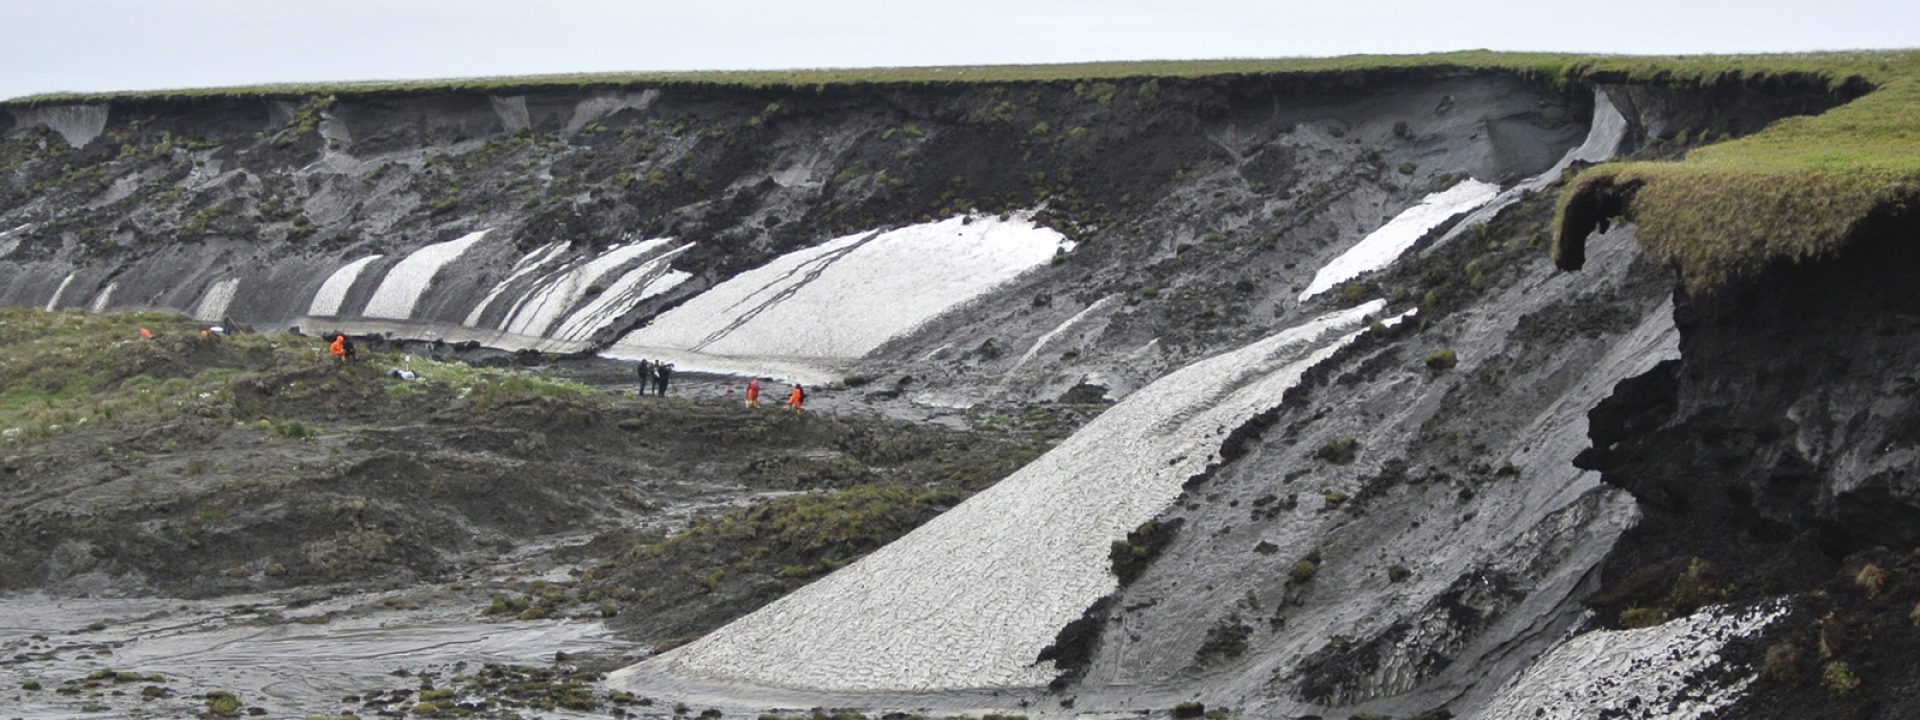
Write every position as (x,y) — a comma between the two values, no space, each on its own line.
(339,346)
(794,398)
(753,390)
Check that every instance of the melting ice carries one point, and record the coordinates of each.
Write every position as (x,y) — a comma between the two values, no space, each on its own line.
(1385,245)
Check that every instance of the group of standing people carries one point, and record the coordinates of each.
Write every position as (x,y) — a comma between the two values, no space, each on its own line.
(654,374)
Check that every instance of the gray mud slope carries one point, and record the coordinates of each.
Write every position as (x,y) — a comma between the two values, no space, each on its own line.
(1407,532)
(1402,534)
(1200,204)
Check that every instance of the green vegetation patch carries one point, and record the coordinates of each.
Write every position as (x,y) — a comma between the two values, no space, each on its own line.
(62,372)
(1799,190)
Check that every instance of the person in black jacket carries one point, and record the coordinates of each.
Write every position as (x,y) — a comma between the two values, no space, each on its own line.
(664,372)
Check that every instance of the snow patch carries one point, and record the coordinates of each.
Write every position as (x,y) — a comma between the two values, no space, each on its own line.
(54,302)
(968,600)
(538,311)
(1385,245)
(649,279)
(102,300)
(213,303)
(1655,672)
(1070,323)
(327,300)
(843,298)
(529,264)
(408,279)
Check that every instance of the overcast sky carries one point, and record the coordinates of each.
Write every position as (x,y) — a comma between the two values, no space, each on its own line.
(96,45)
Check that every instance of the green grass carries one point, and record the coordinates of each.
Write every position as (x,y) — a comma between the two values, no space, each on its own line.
(1557,67)
(1545,64)
(1798,190)
(65,371)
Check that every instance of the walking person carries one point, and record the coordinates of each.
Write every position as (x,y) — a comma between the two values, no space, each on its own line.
(645,376)
(797,398)
(753,393)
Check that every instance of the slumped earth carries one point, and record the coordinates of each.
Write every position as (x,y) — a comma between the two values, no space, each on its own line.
(1212,391)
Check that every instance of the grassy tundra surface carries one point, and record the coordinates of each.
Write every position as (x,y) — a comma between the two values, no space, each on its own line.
(1801,189)
(195,466)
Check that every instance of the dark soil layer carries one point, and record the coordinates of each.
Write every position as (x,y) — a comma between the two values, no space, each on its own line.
(1777,458)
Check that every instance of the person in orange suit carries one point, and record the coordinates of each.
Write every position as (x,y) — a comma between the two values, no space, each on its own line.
(339,347)
(795,398)
(753,393)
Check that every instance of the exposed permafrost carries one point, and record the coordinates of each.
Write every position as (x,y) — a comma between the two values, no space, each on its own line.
(77,124)
(1604,136)
(1657,672)
(843,298)
(408,279)
(970,599)
(1381,247)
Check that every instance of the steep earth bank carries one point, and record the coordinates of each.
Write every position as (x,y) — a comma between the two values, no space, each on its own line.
(1399,532)
(1773,458)
(1200,206)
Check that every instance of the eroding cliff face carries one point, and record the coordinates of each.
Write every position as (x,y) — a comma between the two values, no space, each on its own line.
(1203,204)
(1778,453)
(1372,517)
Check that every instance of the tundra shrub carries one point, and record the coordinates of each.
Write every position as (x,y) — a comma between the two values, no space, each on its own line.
(1838,678)
(1340,451)
(1303,571)
(1782,663)
(1872,579)
(221,703)
(1639,617)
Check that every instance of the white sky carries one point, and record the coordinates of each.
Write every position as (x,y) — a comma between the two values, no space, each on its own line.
(97,45)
